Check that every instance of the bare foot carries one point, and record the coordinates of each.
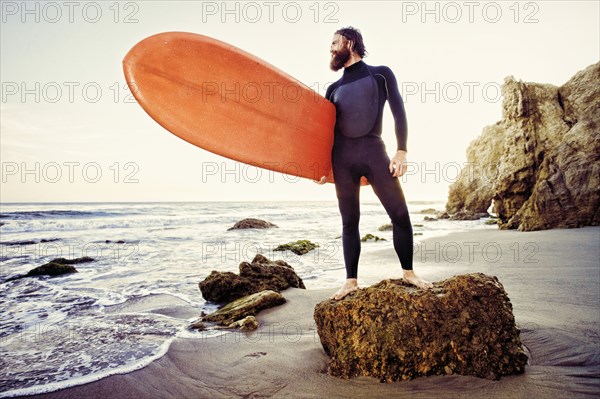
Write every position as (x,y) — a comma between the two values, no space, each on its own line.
(415,280)
(349,286)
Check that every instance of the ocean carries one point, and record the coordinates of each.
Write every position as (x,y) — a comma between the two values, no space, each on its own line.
(63,331)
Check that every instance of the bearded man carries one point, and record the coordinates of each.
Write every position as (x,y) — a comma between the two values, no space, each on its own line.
(358,151)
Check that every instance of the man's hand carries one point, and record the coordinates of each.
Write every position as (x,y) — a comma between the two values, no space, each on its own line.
(398,164)
(322,181)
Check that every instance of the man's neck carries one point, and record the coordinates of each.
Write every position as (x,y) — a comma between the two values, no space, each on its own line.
(354,58)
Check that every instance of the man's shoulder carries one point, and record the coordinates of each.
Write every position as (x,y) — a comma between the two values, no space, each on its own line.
(337,82)
(380,69)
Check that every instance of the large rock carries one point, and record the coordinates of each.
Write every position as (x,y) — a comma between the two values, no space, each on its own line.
(540,164)
(468,215)
(261,274)
(473,191)
(394,331)
(249,305)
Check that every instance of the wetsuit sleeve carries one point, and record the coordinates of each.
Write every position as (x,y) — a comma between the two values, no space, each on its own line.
(397,107)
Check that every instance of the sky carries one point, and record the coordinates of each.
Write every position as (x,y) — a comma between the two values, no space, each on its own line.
(72,132)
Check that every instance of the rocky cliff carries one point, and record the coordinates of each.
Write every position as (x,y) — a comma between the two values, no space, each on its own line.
(540,164)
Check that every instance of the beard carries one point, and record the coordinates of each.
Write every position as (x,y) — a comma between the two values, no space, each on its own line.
(339,58)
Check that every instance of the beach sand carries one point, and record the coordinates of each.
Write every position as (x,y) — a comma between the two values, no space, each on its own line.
(552,278)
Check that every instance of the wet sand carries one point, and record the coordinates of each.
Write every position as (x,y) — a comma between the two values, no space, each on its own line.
(552,278)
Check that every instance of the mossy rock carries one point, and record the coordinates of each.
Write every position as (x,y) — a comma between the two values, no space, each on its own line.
(58,267)
(246,306)
(52,269)
(385,227)
(371,237)
(299,247)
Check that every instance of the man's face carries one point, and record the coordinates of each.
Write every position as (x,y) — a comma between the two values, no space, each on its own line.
(340,52)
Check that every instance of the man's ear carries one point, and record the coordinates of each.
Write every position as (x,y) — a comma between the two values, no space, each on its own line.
(350,44)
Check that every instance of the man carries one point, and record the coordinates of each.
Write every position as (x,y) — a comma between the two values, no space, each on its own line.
(358,150)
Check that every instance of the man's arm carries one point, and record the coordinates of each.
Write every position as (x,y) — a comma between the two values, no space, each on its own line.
(398,165)
(397,108)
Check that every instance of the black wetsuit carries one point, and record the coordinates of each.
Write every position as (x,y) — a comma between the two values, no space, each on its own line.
(358,150)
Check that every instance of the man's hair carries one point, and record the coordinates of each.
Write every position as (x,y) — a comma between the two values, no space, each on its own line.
(353,34)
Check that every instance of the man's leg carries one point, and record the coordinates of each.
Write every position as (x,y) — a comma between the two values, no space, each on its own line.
(388,190)
(347,188)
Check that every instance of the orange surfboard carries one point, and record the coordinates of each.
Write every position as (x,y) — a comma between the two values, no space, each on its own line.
(232,103)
